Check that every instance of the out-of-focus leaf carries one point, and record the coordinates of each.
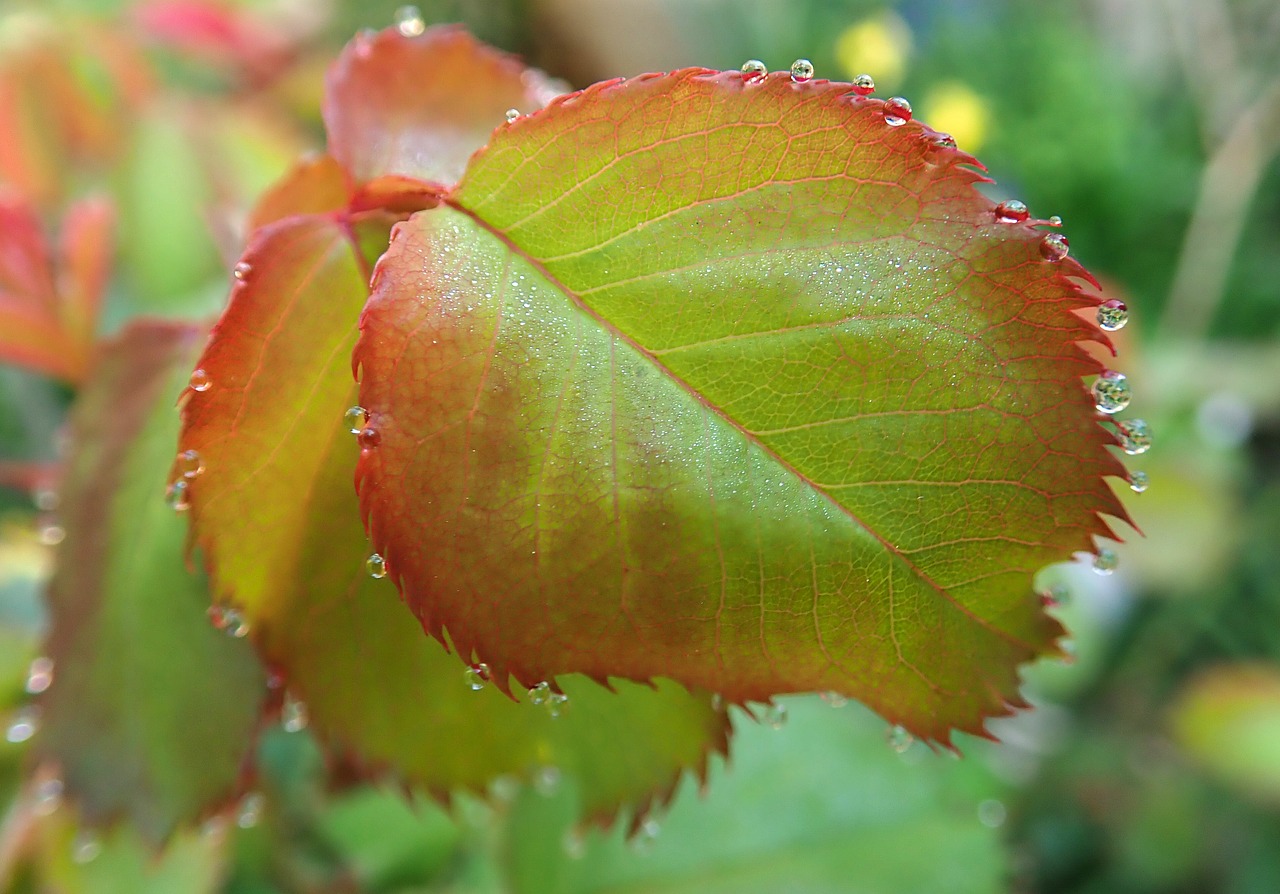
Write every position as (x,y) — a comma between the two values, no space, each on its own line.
(152,711)
(733,381)
(420,105)
(854,816)
(48,306)
(276,514)
(1229,719)
(313,186)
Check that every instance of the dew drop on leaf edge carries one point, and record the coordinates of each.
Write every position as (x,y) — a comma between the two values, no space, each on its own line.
(898,738)
(241,271)
(801,71)
(1105,561)
(189,464)
(1054,247)
(477,675)
(754,70)
(897,111)
(409,21)
(355,419)
(293,715)
(199,381)
(1111,392)
(177,495)
(512,115)
(1135,436)
(1012,211)
(376,566)
(539,694)
(774,715)
(864,85)
(369,437)
(1113,314)
(1138,481)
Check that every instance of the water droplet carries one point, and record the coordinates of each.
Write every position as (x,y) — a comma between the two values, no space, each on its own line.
(250,810)
(834,699)
(368,437)
(1054,221)
(1054,247)
(228,620)
(1105,561)
(47,796)
(355,419)
(1113,314)
(556,703)
(546,780)
(39,675)
(1111,392)
(1138,481)
(242,270)
(646,836)
(512,115)
(1012,211)
(52,534)
(377,566)
(293,715)
(801,70)
(23,725)
(477,675)
(992,813)
(1135,436)
(754,70)
(1054,596)
(717,701)
(774,715)
(177,496)
(539,694)
(574,843)
(189,464)
(864,85)
(199,380)
(85,848)
(899,739)
(897,111)
(409,21)
(943,140)
(45,499)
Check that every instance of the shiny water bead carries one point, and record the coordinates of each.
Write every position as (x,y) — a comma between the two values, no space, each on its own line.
(85,848)
(409,21)
(199,381)
(293,715)
(177,496)
(228,620)
(1105,561)
(801,70)
(539,694)
(376,566)
(1054,596)
(369,437)
(1055,221)
(189,464)
(774,715)
(355,419)
(897,111)
(898,738)
(242,270)
(512,115)
(1113,314)
(476,676)
(645,836)
(1111,392)
(1138,481)
(1012,211)
(1135,436)
(943,141)
(23,725)
(557,702)
(864,85)
(1054,247)
(754,70)
(39,675)
(51,534)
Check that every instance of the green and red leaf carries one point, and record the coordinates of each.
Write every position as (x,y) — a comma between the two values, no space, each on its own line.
(732,381)
(275,512)
(152,712)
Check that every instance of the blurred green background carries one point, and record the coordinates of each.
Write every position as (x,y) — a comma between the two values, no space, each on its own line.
(1151,762)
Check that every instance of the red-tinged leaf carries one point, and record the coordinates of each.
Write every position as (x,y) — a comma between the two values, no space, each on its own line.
(86,255)
(314,186)
(276,514)
(152,711)
(419,106)
(734,382)
(38,328)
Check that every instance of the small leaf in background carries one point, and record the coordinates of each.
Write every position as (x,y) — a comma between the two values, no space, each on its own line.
(822,805)
(275,512)
(420,105)
(1228,719)
(738,381)
(152,711)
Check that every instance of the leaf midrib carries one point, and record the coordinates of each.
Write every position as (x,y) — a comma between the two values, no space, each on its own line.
(452,202)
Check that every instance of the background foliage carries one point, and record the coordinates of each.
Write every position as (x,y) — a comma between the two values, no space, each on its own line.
(1152,763)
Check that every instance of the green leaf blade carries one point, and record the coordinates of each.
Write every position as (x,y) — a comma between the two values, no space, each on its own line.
(738,384)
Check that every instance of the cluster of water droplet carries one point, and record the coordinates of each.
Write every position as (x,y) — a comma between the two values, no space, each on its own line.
(24,723)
